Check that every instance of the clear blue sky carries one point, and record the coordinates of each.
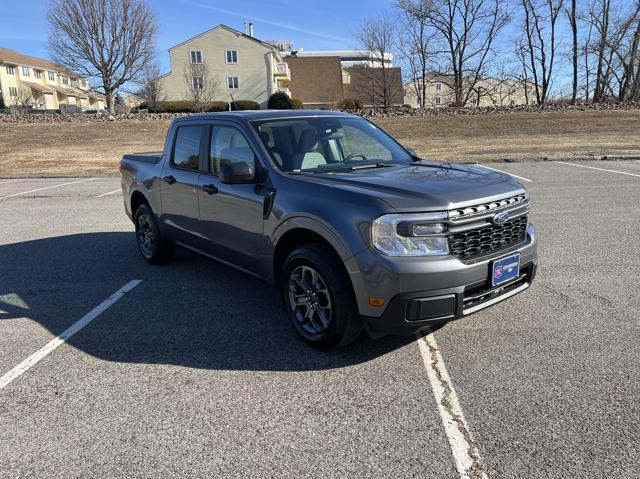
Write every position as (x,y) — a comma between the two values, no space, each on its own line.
(311,24)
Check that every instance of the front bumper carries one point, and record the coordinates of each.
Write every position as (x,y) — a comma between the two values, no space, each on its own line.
(424,292)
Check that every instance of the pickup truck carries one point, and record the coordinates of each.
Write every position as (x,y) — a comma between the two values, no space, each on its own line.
(352,228)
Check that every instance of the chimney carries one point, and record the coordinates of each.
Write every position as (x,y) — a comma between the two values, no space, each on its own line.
(251,29)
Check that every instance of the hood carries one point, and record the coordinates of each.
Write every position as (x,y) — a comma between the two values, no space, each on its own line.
(425,186)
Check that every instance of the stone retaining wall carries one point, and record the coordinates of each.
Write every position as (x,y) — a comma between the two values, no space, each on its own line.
(367,113)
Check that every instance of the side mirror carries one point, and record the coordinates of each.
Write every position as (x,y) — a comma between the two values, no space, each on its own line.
(236,173)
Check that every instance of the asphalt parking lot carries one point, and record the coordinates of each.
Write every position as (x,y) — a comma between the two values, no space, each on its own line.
(195,371)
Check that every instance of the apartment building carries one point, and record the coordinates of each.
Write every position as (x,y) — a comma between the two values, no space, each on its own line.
(31,82)
(487,92)
(321,82)
(225,62)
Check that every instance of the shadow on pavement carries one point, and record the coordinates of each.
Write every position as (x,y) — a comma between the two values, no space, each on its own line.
(191,312)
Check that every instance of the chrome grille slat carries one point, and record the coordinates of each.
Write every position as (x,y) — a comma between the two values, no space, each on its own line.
(488,208)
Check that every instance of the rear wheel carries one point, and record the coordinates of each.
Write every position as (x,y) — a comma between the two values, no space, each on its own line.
(318,298)
(152,246)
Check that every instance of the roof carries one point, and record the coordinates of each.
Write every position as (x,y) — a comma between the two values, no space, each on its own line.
(16,58)
(232,30)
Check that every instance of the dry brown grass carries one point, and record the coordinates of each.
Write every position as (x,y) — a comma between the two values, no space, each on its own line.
(520,135)
(96,148)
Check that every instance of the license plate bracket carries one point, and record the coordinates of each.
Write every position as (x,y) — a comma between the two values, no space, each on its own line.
(505,269)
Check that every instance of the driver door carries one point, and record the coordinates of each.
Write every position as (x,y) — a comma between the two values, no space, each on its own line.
(231,216)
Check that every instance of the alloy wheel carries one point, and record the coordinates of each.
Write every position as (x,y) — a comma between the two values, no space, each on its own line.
(310,301)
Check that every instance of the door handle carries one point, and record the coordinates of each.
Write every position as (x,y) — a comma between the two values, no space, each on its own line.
(169,179)
(211,189)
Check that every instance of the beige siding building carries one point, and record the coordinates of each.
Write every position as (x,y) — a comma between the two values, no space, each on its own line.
(234,62)
(487,92)
(30,82)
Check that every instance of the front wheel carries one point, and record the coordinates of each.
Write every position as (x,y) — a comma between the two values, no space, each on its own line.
(152,246)
(318,298)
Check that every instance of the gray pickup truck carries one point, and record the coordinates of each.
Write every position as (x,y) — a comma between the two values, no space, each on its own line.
(353,228)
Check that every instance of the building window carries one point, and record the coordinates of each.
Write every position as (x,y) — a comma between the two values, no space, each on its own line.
(37,74)
(197,83)
(65,80)
(10,70)
(83,83)
(438,86)
(26,72)
(232,56)
(232,83)
(195,57)
(438,100)
(13,91)
(52,76)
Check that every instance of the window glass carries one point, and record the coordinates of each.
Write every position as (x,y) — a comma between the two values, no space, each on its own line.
(25,71)
(233,83)
(196,57)
(37,74)
(328,143)
(232,56)
(187,147)
(228,145)
(52,76)
(9,70)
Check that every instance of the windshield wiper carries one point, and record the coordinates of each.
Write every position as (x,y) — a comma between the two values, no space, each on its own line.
(379,164)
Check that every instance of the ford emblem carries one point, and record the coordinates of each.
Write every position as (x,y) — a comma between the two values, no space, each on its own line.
(500,218)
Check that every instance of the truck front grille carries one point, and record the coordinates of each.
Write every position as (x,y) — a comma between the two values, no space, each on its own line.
(483,241)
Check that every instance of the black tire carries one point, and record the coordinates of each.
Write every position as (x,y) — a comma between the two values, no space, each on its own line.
(308,302)
(152,246)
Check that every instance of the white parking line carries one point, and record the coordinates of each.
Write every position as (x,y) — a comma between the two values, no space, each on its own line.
(506,173)
(10,181)
(469,462)
(46,188)
(66,334)
(599,169)
(110,193)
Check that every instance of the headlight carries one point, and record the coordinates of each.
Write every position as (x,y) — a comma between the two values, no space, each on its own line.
(410,234)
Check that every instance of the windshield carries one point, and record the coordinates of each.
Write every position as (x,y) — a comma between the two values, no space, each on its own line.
(320,144)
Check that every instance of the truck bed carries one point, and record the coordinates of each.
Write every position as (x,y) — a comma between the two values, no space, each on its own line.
(148,157)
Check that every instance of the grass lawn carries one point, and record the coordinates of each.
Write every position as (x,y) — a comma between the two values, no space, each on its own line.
(96,148)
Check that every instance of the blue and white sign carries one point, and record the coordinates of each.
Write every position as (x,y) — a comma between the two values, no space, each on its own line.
(505,269)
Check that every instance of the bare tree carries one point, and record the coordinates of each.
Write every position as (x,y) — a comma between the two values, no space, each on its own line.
(200,84)
(573,22)
(150,87)
(467,31)
(111,41)
(415,43)
(600,17)
(540,42)
(23,99)
(377,36)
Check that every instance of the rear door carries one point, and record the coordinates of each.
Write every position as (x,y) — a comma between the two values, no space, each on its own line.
(231,216)
(180,181)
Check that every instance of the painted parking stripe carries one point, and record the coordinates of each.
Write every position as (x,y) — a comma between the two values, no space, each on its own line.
(466,455)
(599,169)
(507,173)
(2,182)
(36,357)
(46,188)
(109,193)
